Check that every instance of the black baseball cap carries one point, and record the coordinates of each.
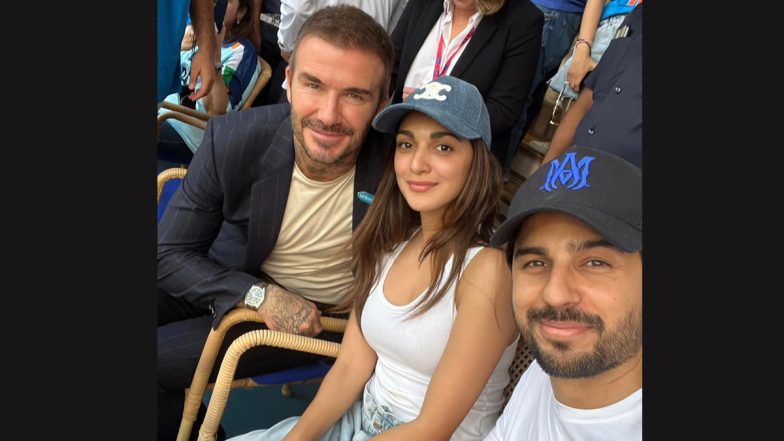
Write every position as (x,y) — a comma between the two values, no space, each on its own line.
(598,188)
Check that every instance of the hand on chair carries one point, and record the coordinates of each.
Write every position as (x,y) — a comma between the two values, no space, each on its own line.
(288,312)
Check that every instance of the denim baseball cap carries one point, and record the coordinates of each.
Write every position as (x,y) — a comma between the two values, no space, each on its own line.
(598,188)
(455,104)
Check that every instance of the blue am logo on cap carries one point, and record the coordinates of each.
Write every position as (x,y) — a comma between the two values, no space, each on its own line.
(433,91)
(568,172)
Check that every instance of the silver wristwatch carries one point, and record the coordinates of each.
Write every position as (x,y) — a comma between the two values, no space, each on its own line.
(256,295)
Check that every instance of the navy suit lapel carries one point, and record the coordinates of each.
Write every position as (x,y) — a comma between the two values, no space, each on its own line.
(268,196)
(272,182)
(484,31)
(370,163)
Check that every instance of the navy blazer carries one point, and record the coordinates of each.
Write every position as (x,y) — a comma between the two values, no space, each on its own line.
(224,219)
(500,59)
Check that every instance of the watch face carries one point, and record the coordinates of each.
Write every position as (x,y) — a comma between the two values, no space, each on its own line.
(255,296)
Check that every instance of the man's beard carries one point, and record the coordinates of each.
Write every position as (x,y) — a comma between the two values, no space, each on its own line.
(612,348)
(354,144)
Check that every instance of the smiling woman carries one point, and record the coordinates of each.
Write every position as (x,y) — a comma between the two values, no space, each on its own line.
(431,164)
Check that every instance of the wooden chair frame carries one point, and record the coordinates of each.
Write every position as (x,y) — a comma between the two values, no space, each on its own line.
(199,119)
(199,384)
(225,380)
(223,384)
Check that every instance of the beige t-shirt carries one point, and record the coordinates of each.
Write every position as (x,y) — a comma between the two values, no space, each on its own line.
(312,256)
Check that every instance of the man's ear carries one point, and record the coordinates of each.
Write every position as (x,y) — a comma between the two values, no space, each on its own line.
(288,83)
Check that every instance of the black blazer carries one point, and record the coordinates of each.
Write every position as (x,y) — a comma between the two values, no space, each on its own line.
(500,59)
(224,219)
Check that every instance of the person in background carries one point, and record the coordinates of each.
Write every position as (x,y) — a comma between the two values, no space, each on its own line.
(601,20)
(607,114)
(239,69)
(492,44)
(561,23)
(294,12)
(172,17)
(266,30)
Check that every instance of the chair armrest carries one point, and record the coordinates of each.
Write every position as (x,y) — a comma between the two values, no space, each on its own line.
(220,393)
(212,346)
(169,173)
(264,76)
(186,110)
(333,324)
(181,117)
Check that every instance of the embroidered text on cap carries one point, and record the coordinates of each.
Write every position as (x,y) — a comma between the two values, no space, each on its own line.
(575,177)
(432,91)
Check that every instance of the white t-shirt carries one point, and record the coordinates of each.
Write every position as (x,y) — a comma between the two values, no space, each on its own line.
(409,350)
(533,414)
(311,256)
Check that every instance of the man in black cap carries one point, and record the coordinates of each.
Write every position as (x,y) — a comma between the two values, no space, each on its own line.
(574,235)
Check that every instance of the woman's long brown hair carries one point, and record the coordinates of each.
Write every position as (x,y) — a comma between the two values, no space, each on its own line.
(468,221)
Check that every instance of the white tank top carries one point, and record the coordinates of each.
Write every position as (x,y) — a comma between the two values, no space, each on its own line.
(409,351)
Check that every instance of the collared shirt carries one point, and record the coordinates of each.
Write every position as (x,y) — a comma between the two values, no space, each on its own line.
(421,71)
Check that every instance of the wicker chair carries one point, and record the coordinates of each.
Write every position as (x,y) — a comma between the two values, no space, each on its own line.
(199,119)
(523,358)
(168,181)
(239,346)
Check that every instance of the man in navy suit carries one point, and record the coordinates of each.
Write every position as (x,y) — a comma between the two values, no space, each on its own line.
(264,216)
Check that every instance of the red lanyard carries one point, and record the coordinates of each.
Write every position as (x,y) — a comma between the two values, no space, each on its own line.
(440,52)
